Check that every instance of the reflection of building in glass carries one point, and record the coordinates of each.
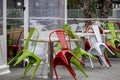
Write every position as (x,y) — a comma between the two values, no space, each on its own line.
(78,13)
(116,8)
(116,3)
(47,12)
(1,17)
(15,13)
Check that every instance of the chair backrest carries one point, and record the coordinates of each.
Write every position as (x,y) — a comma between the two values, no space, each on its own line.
(30,35)
(112,29)
(89,27)
(18,40)
(61,35)
(97,30)
(14,35)
(91,40)
(41,47)
(72,35)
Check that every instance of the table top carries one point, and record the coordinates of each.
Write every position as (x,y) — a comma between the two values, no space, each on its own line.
(86,34)
(108,31)
(105,31)
(46,39)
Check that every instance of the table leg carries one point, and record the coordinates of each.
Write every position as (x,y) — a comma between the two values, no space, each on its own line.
(50,57)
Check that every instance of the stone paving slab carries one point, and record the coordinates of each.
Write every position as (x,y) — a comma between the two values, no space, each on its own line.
(98,73)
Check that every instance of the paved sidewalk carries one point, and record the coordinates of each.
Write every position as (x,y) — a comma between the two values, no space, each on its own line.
(98,73)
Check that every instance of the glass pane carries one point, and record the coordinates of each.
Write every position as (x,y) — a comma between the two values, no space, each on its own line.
(49,13)
(118,14)
(15,19)
(15,22)
(1,17)
(14,28)
(44,8)
(49,24)
(15,8)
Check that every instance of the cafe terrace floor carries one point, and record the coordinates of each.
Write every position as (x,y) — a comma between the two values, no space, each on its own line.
(98,73)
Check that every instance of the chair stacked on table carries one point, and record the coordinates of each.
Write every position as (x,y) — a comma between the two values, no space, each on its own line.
(41,48)
(94,49)
(30,52)
(63,53)
(97,46)
(114,42)
(76,48)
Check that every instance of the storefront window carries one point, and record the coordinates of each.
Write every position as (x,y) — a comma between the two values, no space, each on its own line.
(1,17)
(15,14)
(49,13)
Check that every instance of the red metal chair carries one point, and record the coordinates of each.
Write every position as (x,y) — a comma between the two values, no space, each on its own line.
(15,47)
(118,24)
(63,56)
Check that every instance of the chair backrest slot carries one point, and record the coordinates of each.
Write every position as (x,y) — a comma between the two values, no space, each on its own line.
(61,36)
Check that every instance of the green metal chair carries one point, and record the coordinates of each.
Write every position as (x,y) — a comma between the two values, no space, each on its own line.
(78,51)
(25,53)
(114,41)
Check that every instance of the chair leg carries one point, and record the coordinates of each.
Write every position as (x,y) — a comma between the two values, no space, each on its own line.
(55,72)
(42,69)
(27,69)
(107,60)
(78,65)
(91,62)
(99,60)
(104,61)
(109,50)
(13,59)
(71,71)
(33,73)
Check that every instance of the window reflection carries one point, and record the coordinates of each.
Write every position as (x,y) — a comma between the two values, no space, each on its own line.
(15,8)
(49,13)
(15,14)
(1,17)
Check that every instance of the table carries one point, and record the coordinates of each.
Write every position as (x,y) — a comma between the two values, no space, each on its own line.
(85,35)
(50,57)
(106,33)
